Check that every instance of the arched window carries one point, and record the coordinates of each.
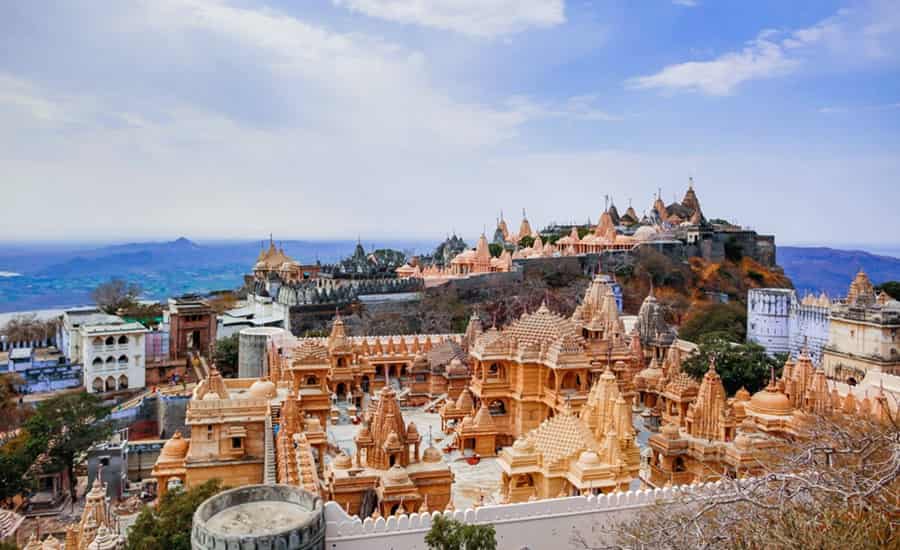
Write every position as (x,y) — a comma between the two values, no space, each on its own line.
(110,384)
(110,362)
(569,381)
(497,408)
(97,362)
(123,360)
(678,465)
(97,342)
(110,340)
(98,384)
(312,381)
(123,382)
(123,339)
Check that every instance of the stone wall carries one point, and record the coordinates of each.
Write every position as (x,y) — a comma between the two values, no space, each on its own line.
(304,532)
(538,525)
(768,318)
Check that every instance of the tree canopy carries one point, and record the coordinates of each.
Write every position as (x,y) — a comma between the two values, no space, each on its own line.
(168,525)
(892,288)
(115,294)
(728,321)
(526,241)
(65,426)
(449,534)
(739,365)
(226,355)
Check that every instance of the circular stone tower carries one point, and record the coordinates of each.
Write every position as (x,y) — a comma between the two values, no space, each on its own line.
(260,517)
(252,352)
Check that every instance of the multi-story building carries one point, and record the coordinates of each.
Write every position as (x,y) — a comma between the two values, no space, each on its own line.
(112,356)
(864,334)
(70,329)
(781,322)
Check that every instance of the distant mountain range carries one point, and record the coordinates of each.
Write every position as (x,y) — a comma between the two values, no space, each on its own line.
(831,270)
(42,277)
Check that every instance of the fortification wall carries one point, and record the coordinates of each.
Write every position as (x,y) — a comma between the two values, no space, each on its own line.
(542,524)
(768,318)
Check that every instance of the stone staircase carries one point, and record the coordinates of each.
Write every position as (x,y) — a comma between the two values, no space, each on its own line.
(270,474)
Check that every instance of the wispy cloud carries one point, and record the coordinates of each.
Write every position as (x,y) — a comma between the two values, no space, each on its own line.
(869,32)
(481,18)
(583,108)
(837,109)
(686,3)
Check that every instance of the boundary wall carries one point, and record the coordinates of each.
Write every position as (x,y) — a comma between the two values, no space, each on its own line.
(536,525)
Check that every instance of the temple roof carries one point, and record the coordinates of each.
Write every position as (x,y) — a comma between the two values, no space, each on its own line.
(543,326)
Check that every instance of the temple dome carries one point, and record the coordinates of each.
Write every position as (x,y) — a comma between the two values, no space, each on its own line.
(456,367)
(742,394)
(342,462)
(262,389)
(397,474)
(523,444)
(589,458)
(770,401)
(431,455)
(645,233)
(176,448)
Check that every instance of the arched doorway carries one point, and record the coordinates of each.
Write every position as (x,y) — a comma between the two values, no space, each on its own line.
(98,384)
(110,384)
(364,383)
(341,389)
(123,382)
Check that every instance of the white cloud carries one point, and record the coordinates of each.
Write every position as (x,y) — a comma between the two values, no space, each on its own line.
(581,108)
(482,18)
(686,3)
(851,36)
(760,59)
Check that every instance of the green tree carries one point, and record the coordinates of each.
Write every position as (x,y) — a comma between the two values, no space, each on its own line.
(226,355)
(526,241)
(726,320)
(14,462)
(12,414)
(496,249)
(168,525)
(8,546)
(739,365)
(64,427)
(115,294)
(892,288)
(449,534)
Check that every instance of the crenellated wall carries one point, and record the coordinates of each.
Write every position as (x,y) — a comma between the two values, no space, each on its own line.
(534,525)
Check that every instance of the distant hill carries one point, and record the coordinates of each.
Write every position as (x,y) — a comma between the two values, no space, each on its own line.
(831,270)
(59,276)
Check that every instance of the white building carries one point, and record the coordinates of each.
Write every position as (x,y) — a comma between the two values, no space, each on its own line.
(113,356)
(781,322)
(70,329)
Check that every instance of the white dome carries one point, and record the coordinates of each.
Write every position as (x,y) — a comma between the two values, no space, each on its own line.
(645,233)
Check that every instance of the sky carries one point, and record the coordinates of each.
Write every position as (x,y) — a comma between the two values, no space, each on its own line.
(397,118)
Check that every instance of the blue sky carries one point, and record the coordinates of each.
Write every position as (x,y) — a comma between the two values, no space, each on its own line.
(332,118)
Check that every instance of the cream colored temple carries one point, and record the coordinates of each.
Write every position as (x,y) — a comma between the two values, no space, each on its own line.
(555,405)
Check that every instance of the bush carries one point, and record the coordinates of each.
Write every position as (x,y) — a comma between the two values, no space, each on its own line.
(526,241)
(739,365)
(449,534)
(727,320)
(168,526)
(496,249)
(892,288)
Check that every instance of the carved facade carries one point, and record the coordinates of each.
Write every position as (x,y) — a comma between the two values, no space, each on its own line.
(388,474)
